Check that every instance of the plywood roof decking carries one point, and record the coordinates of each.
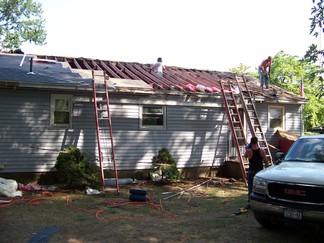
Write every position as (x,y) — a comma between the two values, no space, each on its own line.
(128,83)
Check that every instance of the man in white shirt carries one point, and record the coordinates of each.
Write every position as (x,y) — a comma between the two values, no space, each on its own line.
(158,67)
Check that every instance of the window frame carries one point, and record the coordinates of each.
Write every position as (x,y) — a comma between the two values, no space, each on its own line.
(152,127)
(282,109)
(54,97)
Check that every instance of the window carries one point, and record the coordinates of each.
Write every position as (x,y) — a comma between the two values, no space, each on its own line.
(276,117)
(61,107)
(153,117)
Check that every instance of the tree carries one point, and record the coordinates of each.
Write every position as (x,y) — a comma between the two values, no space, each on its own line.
(314,111)
(241,69)
(316,27)
(317,19)
(20,21)
(287,71)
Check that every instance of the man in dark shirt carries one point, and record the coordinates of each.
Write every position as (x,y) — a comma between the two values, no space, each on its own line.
(257,157)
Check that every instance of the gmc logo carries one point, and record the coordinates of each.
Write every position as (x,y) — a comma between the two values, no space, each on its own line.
(295,192)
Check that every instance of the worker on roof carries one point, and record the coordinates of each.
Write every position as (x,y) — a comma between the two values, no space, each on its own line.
(264,72)
(158,67)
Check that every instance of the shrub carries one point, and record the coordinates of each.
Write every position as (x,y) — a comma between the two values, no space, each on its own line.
(165,166)
(79,172)
(163,157)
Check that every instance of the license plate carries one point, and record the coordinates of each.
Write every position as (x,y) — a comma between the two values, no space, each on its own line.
(291,213)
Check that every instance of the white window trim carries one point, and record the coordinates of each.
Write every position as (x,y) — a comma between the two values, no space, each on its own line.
(60,96)
(152,127)
(283,117)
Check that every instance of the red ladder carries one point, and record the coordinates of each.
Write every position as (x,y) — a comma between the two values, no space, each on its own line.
(235,123)
(103,124)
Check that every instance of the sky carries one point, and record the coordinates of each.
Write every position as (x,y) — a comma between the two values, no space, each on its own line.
(199,34)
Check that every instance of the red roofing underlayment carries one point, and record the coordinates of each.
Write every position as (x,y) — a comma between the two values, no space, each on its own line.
(174,78)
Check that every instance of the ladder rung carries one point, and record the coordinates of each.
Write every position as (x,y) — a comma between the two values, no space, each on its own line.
(101,101)
(238,130)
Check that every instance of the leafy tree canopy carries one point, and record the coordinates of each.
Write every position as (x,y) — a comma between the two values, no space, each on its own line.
(317,19)
(288,71)
(313,54)
(241,69)
(20,21)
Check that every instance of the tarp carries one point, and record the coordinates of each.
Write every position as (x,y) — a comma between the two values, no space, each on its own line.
(9,188)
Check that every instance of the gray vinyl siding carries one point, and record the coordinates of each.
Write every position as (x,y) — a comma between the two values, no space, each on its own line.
(23,122)
(195,136)
(27,142)
(292,118)
(193,141)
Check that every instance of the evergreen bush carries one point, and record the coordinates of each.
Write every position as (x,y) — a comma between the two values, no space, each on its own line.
(79,172)
(165,166)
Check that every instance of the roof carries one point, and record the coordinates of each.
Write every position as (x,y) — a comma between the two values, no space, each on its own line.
(69,72)
(17,69)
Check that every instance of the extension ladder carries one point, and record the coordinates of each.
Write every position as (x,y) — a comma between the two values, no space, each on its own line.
(103,124)
(252,117)
(235,123)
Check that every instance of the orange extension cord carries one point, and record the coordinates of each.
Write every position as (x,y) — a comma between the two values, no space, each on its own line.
(33,201)
(155,208)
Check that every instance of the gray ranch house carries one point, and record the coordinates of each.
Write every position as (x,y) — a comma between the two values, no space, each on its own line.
(182,111)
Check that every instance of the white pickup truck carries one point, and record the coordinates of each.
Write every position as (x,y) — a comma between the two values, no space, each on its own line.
(293,189)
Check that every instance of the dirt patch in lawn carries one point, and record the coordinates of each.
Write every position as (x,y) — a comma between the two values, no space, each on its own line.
(205,213)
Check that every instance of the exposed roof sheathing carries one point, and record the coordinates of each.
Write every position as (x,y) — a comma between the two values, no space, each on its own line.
(58,70)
